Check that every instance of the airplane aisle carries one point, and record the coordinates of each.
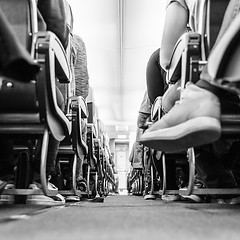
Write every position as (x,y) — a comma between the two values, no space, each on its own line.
(121,217)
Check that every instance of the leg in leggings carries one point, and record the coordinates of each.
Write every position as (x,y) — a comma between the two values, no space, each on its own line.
(155,77)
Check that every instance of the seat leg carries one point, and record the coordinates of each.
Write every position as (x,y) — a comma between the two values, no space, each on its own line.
(43,164)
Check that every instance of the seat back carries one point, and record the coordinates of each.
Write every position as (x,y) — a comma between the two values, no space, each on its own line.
(59,11)
(55,13)
(26,105)
(18,97)
(17,13)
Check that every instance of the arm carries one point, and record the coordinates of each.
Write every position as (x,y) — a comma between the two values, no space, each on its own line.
(80,68)
(175,25)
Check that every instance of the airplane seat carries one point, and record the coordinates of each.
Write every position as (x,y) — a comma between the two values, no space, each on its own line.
(222,68)
(176,71)
(54,13)
(91,165)
(189,56)
(92,125)
(75,106)
(92,133)
(28,109)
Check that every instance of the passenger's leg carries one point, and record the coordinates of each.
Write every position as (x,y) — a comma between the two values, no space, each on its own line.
(7,162)
(211,169)
(187,124)
(7,173)
(155,77)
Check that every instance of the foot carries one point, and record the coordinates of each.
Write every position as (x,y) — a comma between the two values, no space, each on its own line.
(72,198)
(171,198)
(193,198)
(42,199)
(227,199)
(193,121)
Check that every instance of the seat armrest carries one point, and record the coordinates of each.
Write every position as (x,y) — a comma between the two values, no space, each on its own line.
(48,41)
(186,41)
(174,70)
(156,109)
(80,101)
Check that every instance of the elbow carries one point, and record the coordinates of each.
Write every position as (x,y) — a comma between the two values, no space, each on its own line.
(164,64)
(164,61)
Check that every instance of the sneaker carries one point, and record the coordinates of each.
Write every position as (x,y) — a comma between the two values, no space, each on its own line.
(72,199)
(171,197)
(193,121)
(227,200)
(193,198)
(5,198)
(235,201)
(171,96)
(43,199)
(149,197)
(58,198)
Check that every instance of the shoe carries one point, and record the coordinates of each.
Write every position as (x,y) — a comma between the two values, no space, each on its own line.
(193,121)
(57,198)
(149,197)
(193,198)
(42,199)
(171,197)
(7,199)
(58,181)
(72,199)
(227,200)
(171,96)
(235,201)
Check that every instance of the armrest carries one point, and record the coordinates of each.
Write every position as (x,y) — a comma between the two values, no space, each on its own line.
(83,105)
(46,81)
(191,58)
(185,52)
(79,143)
(174,70)
(156,109)
(49,42)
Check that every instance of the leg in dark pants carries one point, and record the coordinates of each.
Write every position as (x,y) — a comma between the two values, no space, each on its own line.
(155,77)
